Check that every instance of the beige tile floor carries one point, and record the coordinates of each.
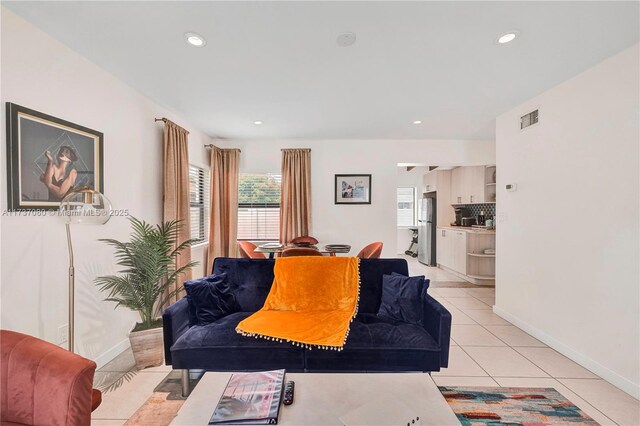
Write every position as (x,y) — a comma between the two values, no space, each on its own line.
(485,351)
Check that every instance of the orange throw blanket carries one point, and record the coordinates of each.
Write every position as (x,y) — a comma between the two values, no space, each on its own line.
(311,303)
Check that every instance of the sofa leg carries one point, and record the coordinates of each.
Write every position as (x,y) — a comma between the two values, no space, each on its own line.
(185,383)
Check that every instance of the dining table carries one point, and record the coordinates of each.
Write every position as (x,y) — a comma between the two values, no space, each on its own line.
(322,248)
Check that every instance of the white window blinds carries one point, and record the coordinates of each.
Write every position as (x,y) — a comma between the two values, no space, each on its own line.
(259,206)
(406,207)
(198,202)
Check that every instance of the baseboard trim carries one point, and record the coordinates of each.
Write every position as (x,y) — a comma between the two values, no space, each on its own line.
(110,354)
(615,379)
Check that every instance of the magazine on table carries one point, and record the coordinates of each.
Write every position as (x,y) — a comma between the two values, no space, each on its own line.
(250,398)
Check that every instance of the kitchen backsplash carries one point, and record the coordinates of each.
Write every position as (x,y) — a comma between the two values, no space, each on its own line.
(488,209)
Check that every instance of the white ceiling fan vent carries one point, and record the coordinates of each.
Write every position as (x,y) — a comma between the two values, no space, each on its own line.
(528,119)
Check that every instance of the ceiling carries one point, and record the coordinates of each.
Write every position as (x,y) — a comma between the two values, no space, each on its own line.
(279,62)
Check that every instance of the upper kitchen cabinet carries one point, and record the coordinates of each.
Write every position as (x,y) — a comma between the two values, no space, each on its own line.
(457,186)
(475,184)
(436,180)
(469,185)
(439,182)
(429,181)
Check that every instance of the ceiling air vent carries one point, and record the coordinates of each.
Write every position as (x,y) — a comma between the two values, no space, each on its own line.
(528,119)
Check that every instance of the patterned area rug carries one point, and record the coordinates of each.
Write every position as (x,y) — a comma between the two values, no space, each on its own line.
(163,405)
(477,406)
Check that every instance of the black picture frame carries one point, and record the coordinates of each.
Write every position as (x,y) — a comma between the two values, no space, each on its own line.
(30,136)
(357,189)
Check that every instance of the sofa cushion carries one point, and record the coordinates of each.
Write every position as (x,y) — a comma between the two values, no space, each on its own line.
(372,331)
(211,298)
(217,347)
(249,279)
(379,344)
(371,272)
(402,298)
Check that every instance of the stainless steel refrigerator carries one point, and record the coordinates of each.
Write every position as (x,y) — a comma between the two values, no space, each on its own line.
(427,231)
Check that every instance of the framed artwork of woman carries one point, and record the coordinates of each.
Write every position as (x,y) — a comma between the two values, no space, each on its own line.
(47,157)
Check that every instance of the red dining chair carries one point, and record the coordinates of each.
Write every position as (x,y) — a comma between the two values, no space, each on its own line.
(300,251)
(247,250)
(372,251)
(305,239)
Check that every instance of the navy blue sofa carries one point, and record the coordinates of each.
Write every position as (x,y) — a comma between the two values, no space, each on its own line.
(374,344)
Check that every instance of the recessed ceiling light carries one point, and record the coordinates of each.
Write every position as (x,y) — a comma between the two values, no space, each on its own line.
(346,38)
(258,122)
(507,37)
(195,39)
(417,122)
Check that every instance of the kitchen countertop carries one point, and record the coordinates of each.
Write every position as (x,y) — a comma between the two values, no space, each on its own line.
(469,229)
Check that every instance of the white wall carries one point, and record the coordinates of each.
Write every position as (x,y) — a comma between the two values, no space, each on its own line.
(412,178)
(40,73)
(359,225)
(567,269)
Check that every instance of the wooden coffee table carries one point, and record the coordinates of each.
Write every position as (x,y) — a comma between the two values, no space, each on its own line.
(322,398)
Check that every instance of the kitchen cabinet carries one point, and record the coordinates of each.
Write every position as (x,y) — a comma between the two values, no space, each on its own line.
(456,185)
(451,249)
(459,251)
(468,185)
(475,184)
(436,180)
(439,181)
(443,247)
(430,181)
(462,253)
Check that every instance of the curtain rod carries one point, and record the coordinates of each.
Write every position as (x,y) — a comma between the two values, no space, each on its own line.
(166,120)
(212,145)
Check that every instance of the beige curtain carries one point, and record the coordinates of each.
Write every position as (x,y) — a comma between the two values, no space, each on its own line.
(223,225)
(295,203)
(176,190)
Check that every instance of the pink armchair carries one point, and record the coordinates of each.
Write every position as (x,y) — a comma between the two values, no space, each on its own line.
(41,383)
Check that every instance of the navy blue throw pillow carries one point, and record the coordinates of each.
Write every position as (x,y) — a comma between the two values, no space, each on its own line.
(402,298)
(210,298)
(426,281)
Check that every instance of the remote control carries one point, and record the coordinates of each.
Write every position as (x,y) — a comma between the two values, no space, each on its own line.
(288,393)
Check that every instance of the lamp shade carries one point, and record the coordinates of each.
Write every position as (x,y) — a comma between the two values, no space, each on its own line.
(85,206)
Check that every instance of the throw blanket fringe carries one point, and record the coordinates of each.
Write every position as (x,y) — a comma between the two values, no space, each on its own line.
(312,303)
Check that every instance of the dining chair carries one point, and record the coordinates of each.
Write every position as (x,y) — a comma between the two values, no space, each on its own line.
(247,248)
(300,251)
(305,239)
(371,251)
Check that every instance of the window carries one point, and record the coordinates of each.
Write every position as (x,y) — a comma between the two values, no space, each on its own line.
(406,199)
(198,202)
(259,207)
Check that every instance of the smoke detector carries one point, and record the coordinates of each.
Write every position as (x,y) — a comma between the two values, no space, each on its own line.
(346,39)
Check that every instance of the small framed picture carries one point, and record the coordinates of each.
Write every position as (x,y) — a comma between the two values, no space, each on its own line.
(353,189)
(48,157)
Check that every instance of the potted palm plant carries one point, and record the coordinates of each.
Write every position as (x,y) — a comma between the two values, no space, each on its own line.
(143,285)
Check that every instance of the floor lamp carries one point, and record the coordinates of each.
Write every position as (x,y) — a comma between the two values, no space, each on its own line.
(83,206)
